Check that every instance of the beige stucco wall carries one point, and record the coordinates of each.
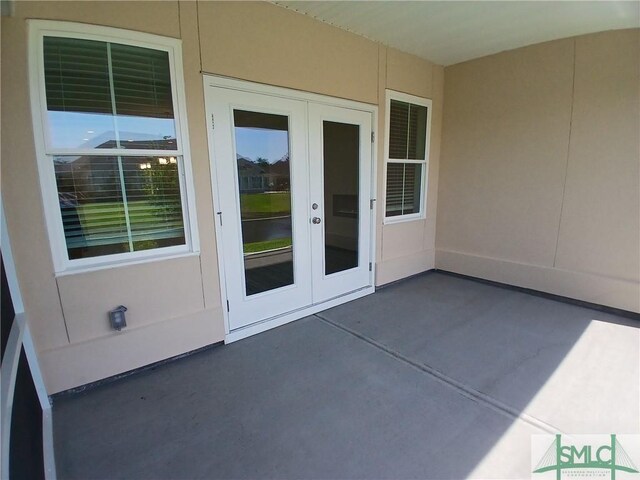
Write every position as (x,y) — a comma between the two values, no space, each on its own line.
(174,304)
(539,183)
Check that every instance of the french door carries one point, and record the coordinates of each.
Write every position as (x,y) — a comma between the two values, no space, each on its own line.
(340,183)
(293,182)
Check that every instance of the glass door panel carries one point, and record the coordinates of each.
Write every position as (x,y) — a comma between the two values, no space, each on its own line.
(341,148)
(264,189)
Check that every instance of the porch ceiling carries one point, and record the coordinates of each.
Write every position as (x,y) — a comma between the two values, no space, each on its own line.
(449,32)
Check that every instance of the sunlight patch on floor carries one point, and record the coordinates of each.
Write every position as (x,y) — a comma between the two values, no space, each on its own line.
(595,389)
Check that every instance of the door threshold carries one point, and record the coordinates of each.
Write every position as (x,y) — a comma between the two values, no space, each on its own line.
(273,322)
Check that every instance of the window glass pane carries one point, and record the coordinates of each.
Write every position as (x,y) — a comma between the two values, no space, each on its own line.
(80,77)
(143,100)
(404,181)
(341,161)
(154,204)
(417,132)
(91,204)
(407,131)
(412,183)
(395,184)
(99,219)
(262,154)
(398,129)
(78,92)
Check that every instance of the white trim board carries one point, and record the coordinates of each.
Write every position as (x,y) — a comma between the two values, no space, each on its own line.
(289,317)
(8,382)
(246,86)
(19,338)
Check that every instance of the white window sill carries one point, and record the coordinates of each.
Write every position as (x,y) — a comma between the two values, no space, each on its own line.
(402,219)
(124,263)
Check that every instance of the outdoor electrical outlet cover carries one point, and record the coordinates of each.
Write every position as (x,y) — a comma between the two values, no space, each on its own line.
(117,318)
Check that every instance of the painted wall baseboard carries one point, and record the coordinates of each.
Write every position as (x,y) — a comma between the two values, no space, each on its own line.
(130,349)
(72,392)
(398,268)
(611,292)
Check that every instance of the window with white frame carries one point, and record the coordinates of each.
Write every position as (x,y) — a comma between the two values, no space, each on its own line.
(408,122)
(111,139)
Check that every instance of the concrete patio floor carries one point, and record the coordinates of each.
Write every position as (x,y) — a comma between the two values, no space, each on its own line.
(433,377)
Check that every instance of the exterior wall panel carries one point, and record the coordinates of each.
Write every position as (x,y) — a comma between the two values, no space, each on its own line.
(152,292)
(539,175)
(408,248)
(600,226)
(175,304)
(257,42)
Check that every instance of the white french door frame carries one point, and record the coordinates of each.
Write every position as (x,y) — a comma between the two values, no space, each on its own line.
(280,92)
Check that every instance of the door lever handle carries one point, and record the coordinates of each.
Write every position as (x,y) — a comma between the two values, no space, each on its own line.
(315,220)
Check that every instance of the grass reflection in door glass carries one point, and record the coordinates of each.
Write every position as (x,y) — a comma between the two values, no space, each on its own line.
(264,185)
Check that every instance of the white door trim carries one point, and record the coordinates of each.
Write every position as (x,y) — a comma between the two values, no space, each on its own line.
(291,94)
(246,86)
(288,317)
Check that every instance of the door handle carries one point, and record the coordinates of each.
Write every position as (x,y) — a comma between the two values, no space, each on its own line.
(315,220)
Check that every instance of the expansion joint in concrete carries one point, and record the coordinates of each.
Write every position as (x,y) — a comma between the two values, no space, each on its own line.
(464,390)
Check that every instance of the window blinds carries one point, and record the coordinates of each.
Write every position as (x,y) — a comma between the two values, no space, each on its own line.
(403,188)
(141,81)
(398,129)
(407,131)
(80,75)
(77,75)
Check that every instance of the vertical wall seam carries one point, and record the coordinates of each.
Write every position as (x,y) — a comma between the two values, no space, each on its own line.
(383,117)
(198,30)
(378,86)
(566,168)
(202,282)
(179,21)
(386,68)
(64,316)
(428,167)
(204,298)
